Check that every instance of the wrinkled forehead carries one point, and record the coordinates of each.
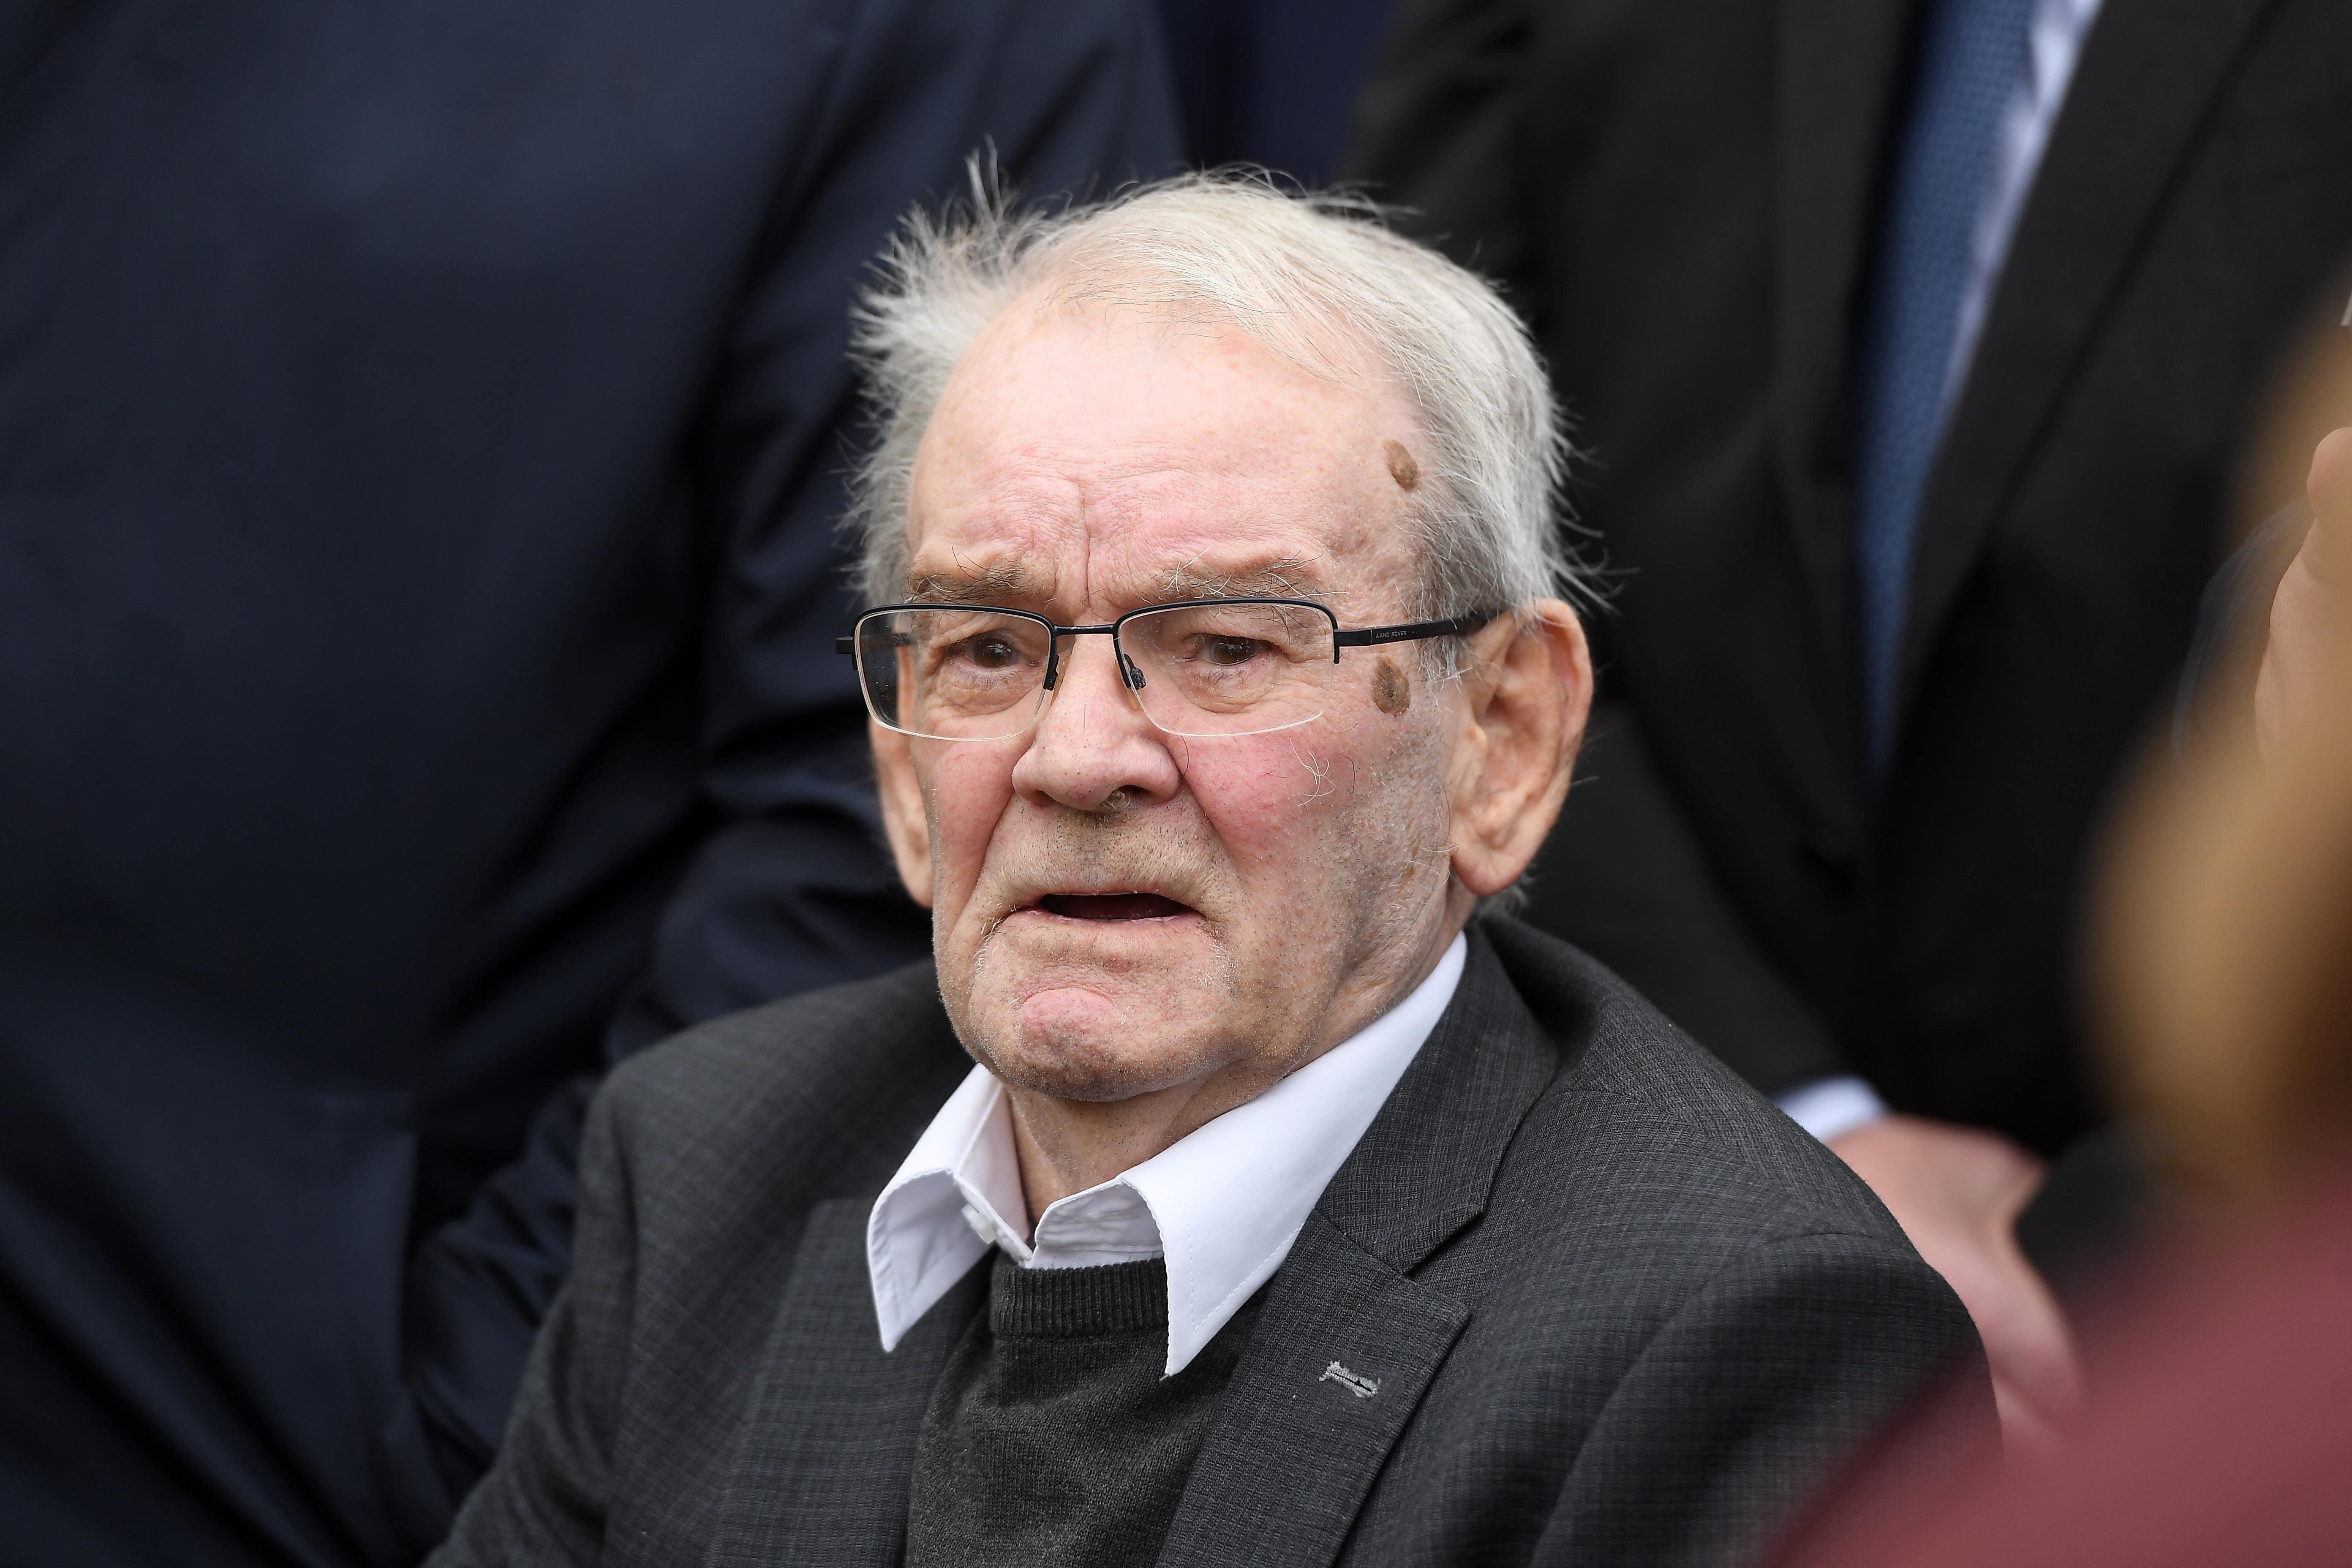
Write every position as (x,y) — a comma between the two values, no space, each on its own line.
(1109,459)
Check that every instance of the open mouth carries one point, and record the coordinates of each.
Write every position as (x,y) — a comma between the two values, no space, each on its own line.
(1111,906)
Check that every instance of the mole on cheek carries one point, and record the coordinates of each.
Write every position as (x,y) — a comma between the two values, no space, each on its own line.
(1401,467)
(1390,695)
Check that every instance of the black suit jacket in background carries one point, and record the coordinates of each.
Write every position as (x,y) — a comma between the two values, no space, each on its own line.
(420,441)
(1617,1308)
(1682,194)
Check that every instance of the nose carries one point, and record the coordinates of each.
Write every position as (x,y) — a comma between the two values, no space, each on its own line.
(1092,747)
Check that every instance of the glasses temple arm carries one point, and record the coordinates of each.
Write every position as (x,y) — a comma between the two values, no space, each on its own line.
(1417,631)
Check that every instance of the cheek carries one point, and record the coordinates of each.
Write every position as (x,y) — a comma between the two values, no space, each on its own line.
(966,790)
(1276,803)
(1362,790)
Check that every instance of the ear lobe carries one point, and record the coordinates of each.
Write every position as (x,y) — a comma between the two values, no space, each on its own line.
(903,821)
(1528,716)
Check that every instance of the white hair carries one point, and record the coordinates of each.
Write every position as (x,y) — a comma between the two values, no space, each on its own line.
(1317,278)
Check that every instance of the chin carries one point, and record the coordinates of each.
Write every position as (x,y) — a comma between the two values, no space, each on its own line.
(1106,1041)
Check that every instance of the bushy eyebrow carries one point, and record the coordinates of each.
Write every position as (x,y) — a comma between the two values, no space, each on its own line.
(1003,580)
(1289,578)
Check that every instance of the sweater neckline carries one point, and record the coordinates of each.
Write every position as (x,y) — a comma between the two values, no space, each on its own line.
(1073,1303)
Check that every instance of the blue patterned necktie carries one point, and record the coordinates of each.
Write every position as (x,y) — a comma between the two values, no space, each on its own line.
(1973,54)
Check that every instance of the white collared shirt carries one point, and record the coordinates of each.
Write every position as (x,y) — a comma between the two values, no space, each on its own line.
(1223,1204)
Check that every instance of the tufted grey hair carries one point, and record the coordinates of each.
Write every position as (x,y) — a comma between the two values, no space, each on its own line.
(1317,277)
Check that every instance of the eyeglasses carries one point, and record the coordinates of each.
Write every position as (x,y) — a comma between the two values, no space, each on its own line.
(1199,667)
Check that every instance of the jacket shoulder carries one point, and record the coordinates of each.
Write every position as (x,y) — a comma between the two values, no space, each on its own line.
(824,1091)
(1637,1093)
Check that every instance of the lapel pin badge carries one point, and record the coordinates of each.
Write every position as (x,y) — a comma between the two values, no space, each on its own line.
(1362,1387)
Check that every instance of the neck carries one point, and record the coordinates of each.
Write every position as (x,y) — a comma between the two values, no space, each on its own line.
(1066,1146)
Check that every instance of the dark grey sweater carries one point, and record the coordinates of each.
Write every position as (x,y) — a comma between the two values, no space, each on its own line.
(1053,1438)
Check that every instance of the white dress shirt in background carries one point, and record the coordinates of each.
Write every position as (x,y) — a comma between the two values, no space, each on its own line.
(1829,1107)
(1223,1204)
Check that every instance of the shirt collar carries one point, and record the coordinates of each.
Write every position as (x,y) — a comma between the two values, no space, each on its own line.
(1222,1204)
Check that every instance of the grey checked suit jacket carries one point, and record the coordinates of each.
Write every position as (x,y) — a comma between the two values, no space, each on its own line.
(1619,1309)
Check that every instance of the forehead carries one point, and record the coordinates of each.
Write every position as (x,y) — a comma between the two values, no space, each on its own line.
(1109,458)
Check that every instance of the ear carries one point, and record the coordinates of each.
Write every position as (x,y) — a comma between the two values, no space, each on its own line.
(1528,700)
(903,821)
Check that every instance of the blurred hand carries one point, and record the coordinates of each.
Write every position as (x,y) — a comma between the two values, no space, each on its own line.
(1957,1191)
(2304,613)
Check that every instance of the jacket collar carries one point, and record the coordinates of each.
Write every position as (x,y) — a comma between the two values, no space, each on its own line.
(1223,1204)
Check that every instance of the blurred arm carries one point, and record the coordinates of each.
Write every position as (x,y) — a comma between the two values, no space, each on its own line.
(2296,674)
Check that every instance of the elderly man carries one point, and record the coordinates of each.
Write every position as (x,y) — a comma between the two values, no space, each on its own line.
(1290,1215)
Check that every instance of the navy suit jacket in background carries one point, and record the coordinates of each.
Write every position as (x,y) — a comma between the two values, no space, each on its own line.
(420,441)
(1272,82)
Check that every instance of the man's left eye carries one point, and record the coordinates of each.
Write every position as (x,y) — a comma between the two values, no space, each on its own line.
(1230,650)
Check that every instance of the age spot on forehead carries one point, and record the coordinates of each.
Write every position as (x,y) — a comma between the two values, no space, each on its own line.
(1390,692)
(1401,467)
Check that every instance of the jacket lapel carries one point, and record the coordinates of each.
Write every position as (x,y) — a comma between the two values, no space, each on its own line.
(1835,78)
(1344,1348)
(1347,1343)
(821,1475)
(2148,72)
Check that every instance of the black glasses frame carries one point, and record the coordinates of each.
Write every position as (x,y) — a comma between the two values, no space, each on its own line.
(1360,636)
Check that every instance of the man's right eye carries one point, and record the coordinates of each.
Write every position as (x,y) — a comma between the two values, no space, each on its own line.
(992,653)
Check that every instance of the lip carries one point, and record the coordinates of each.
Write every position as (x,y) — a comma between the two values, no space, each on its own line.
(1111,908)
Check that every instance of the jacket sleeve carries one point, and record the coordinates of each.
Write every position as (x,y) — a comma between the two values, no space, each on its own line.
(790,887)
(1434,131)
(1624,877)
(542,1503)
(1755,1391)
